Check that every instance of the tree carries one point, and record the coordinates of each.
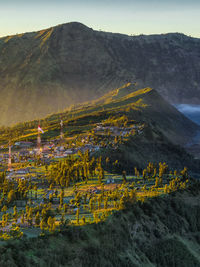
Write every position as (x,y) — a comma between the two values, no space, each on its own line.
(22,218)
(124,177)
(137,174)
(77,215)
(30,216)
(107,160)
(42,225)
(91,205)
(37,219)
(106,203)
(122,202)
(133,196)
(157,182)
(96,217)
(65,208)
(101,175)
(83,220)
(184,174)
(144,174)
(4,219)
(4,209)
(35,188)
(15,214)
(11,196)
(51,224)
(99,199)
(15,232)
(61,198)
(162,169)
(165,189)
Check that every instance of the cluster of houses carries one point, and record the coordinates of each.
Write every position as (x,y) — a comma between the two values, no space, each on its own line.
(117,131)
(24,151)
(62,152)
(18,174)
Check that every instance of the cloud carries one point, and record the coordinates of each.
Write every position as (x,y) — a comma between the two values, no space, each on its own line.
(185,108)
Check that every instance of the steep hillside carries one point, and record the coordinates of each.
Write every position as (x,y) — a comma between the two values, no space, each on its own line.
(43,72)
(141,105)
(162,232)
(152,109)
(136,126)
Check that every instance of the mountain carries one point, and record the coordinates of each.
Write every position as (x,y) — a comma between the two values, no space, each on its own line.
(146,106)
(44,72)
(160,129)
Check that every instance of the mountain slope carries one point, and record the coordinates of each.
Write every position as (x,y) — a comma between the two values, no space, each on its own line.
(146,128)
(43,72)
(141,105)
(161,232)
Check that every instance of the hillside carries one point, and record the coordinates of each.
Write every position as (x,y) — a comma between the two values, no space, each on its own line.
(163,232)
(128,124)
(43,72)
(109,188)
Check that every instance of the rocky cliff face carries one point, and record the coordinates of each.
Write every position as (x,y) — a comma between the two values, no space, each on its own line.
(46,71)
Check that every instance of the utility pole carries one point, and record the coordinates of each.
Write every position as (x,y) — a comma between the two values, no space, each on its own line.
(10,157)
(61,130)
(39,140)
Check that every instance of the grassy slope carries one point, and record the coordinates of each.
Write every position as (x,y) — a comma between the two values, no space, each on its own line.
(165,126)
(145,105)
(141,235)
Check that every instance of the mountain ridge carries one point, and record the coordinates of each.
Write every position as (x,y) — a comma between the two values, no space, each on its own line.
(129,125)
(44,72)
(80,24)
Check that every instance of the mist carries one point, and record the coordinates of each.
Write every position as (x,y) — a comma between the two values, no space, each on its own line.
(190,111)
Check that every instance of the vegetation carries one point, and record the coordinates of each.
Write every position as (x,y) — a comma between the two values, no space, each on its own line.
(77,191)
(102,169)
(123,124)
(139,235)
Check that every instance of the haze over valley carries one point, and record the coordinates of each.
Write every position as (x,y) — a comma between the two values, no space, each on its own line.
(191,111)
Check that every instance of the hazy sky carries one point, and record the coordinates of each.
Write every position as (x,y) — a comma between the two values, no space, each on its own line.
(124,16)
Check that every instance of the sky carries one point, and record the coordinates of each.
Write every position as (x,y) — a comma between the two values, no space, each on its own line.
(123,16)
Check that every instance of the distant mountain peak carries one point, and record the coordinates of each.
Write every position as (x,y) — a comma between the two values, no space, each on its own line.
(73,25)
(49,70)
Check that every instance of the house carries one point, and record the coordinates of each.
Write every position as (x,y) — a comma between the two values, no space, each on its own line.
(24,153)
(68,152)
(23,144)
(22,171)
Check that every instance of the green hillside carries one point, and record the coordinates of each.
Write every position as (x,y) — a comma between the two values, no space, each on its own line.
(163,232)
(146,127)
(114,190)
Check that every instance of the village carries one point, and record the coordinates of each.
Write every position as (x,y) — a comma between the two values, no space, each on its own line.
(49,184)
(25,153)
